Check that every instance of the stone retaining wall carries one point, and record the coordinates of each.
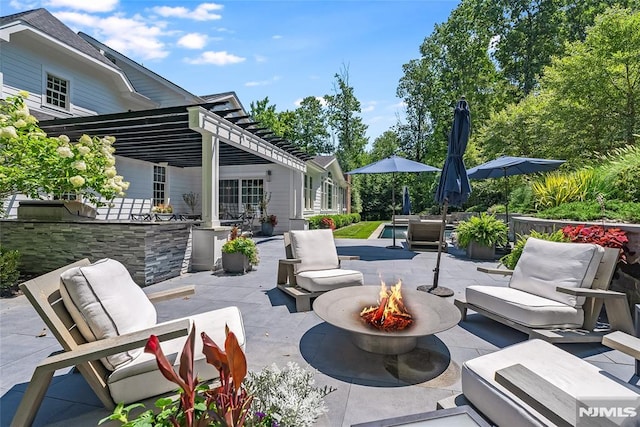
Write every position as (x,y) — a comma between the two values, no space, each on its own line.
(151,251)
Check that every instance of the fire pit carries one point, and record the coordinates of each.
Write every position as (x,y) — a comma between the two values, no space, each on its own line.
(342,307)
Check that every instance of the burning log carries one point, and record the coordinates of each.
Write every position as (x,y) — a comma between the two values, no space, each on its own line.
(390,314)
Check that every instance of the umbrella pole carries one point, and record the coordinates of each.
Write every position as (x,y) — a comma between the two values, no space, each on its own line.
(393,206)
(435,289)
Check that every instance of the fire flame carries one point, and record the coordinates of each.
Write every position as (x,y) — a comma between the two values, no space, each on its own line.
(390,314)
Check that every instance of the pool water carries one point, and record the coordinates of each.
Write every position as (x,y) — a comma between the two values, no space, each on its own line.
(401,232)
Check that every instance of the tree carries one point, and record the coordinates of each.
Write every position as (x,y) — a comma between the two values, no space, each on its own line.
(310,127)
(266,114)
(347,125)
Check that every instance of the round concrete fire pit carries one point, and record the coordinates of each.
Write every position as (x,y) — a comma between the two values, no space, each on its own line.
(341,308)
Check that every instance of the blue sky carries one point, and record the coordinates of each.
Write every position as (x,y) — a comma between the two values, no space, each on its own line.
(285,50)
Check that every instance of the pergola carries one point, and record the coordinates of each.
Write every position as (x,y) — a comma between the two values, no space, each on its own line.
(207,135)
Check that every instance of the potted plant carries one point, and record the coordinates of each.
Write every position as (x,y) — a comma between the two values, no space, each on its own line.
(239,253)
(267,221)
(480,235)
(44,167)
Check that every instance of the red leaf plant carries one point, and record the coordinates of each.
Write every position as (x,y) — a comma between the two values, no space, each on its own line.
(227,404)
(608,238)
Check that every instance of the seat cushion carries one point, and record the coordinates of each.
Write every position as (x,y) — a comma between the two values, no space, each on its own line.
(546,265)
(141,379)
(315,248)
(326,280)
(105,302)
(560,368)
(525,308)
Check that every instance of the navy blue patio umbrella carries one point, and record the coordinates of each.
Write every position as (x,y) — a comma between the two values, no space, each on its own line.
(394,164)
(505,166)
(453,188)
(406,201)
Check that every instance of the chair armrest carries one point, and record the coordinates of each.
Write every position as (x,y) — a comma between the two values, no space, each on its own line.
(290,261)
(535,391)
(489,270)
(628,344)
(108,346)
(172,293)
(588,292)
(348,257)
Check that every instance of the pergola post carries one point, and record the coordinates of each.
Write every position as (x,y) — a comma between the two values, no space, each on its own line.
(210,176)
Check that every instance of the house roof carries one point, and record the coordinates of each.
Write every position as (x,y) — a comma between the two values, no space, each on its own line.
(164,135)
(42,20)
(324,161)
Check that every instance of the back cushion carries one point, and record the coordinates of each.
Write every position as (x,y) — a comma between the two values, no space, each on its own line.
(546,265)
(105,302)
(316,249)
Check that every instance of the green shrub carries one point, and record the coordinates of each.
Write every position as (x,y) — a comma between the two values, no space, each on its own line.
(243,245)
(558,188)
(623,173)
(510,260)
(9,272)
(340,220)
(591,211)
(484,229)
(521,199)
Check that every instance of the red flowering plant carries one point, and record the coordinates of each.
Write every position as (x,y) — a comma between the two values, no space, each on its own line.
(327,222)
(608,238)
(227,405)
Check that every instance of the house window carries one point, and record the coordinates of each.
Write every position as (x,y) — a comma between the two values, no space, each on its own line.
(327,192)
(252,192)
(308,192)
(159,185)
(57,93)
(229,199)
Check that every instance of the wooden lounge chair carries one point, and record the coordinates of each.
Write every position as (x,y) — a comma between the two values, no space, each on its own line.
(556,293)
(424,234)
(535,383)
(312,266)
(113,296)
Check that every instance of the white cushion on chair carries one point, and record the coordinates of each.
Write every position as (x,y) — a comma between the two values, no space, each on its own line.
(142,379)
(326,280)
(567,372)
(316,249)
(545,265)
(525,308)
(105,302)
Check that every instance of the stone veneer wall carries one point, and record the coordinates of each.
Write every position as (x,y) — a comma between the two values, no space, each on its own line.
(151,251)
(627,277)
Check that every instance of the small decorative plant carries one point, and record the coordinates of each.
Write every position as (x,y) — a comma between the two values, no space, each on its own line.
(605,237)
(263,205)
(40,166)
(270,219)
(327,222)
(161,208)
(288,395)
(9,272)
(485,229)
(240,244)
(192,200)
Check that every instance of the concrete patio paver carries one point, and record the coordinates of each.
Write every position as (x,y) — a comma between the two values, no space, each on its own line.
(368,386)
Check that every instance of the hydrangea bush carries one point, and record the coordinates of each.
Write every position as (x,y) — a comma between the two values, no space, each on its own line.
(40,166)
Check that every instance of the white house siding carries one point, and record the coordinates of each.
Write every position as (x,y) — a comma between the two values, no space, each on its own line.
(25,62)
(181,181)
(153,89)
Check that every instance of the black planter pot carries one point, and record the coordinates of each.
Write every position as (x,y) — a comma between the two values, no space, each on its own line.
(267,229)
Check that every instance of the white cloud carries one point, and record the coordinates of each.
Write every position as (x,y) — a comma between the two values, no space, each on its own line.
(262,82)
(202,12)
(260,58)
(276,37)
(400,104)
(84,5)
(193,41)
(216,58)
(130,36)
(24,5)
(369,106)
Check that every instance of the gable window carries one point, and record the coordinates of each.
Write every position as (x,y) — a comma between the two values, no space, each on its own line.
(159,185)
(57,93)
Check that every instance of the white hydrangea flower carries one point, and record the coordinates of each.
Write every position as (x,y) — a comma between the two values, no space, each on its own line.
(110,161)
(64,139)
(23,112)
(83,150)
(110,172)
(20,123)
(8,132)
(85,139)
(80,165)
(64,151)
(124,185)
(77,181)
(31,120)
(111,139)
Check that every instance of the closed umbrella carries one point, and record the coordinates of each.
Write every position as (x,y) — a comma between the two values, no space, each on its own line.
(453,188)
(406,201)
(505,166)
(394,164)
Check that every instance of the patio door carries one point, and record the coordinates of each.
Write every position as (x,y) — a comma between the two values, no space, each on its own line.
(238,196)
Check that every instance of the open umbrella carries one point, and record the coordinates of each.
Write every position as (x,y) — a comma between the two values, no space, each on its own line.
(406,201)
(394,164)
(453,188)
(506,166)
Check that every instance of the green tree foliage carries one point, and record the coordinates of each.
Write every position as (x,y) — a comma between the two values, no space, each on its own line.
(265,114)
(311,127)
